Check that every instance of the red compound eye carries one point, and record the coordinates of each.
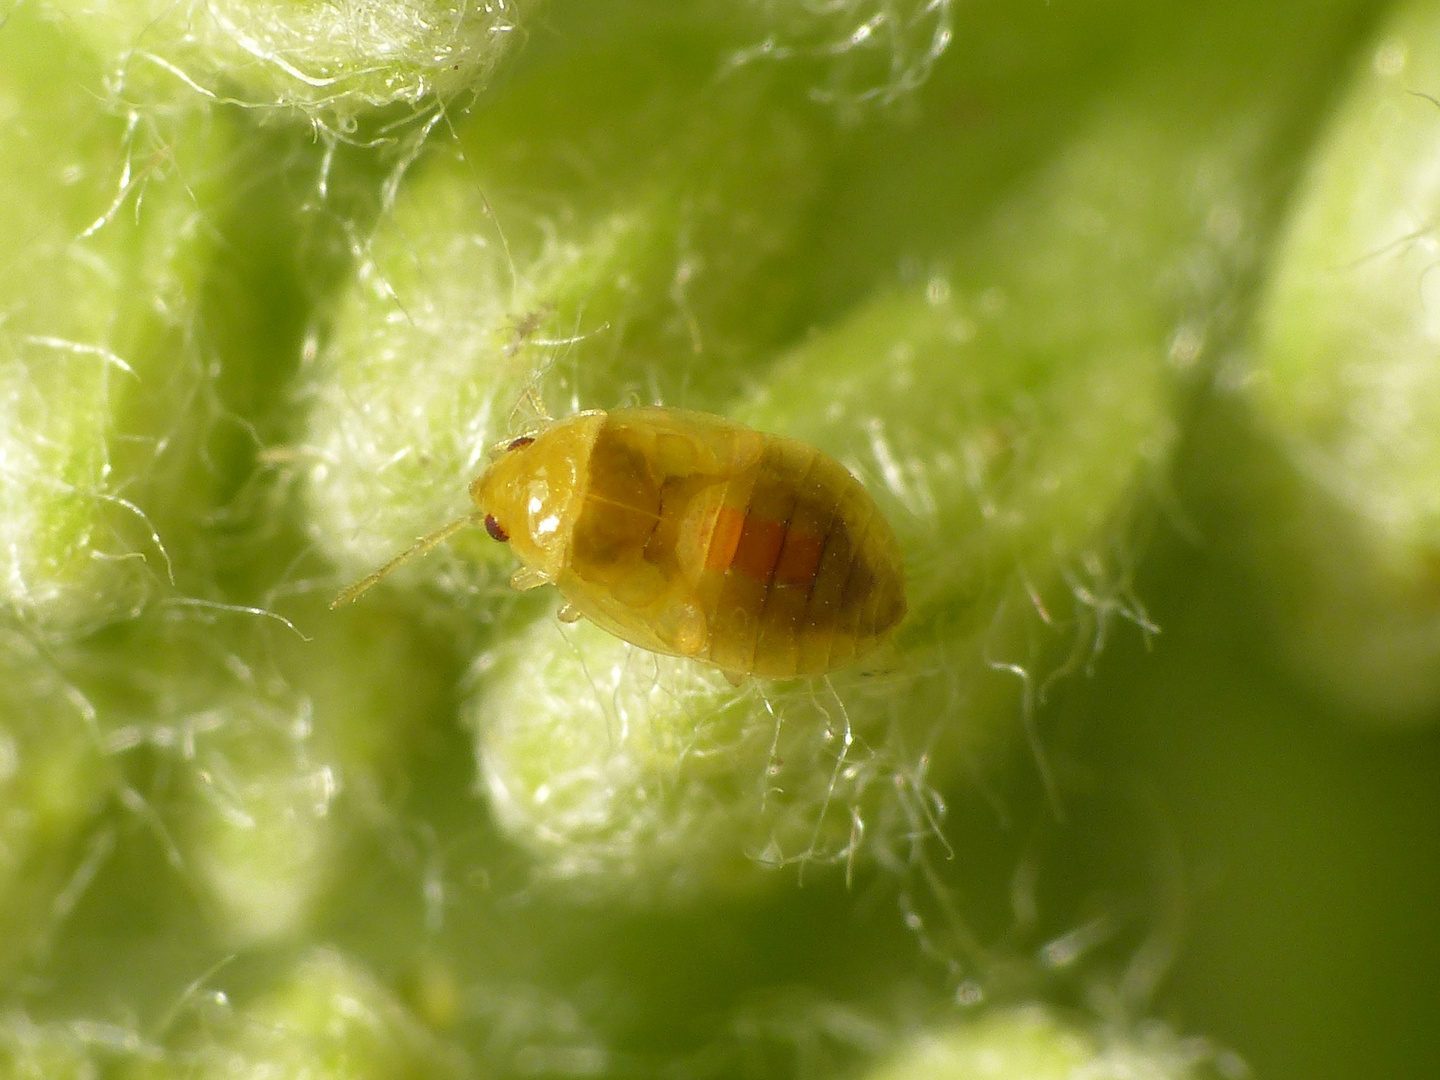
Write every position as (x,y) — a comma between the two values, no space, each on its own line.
(493,528)
(516,444)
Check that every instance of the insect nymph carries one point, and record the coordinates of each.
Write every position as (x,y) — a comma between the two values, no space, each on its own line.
(689,534)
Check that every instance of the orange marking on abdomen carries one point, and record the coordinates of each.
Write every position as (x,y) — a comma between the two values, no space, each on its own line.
(724,538)
(799,558)
(759,548)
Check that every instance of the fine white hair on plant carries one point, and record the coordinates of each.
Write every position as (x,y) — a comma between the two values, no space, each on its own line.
(650,777)
(333,62)
(867,51)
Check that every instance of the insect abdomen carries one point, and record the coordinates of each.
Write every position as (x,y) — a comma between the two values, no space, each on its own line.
(804,573)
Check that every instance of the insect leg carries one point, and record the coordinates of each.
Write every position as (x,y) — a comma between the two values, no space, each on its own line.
(527,578)
(420,547)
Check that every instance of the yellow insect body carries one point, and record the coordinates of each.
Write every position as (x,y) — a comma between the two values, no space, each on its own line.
(689,534)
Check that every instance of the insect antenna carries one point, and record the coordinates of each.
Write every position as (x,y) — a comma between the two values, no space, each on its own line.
(420,547)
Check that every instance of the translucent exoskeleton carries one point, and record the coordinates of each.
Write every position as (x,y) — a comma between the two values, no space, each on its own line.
(689,534)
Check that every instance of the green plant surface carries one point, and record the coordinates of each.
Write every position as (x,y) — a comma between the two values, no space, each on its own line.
(1120,311)
(1344,399)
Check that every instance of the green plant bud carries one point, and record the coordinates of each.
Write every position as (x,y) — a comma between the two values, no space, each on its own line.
(224,761)
(62,286)
(256,774)
(1009,413)
(54,782)
(1034,1044)
(333,62)
(30,1050)
(327,1019)
(652,778)
(120,433)
(622,254)
(1344,396)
